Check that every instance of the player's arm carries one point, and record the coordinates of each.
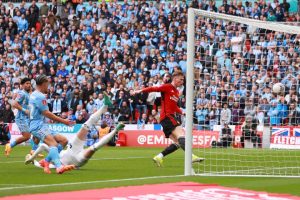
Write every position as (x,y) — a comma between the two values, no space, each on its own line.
(161,88)
(42,105)
(53,117)
(16,104)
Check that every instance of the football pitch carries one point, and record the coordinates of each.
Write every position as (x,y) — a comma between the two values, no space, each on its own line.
(122,166)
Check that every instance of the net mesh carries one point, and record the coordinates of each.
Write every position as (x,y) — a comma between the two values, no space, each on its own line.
(241,126)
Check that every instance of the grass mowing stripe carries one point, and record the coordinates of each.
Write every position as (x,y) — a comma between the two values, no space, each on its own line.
(89,182)
(95,159)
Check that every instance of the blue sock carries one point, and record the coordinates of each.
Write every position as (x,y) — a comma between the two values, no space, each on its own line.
(13,144)
(34,146)
(60,148)
(48,159)
(54,156)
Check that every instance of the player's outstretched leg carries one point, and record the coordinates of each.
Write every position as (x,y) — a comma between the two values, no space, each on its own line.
(53,156)
(95,117)
(30,158)
(107,100)
(181,141)
(103,141)
(158,159)
(8,148)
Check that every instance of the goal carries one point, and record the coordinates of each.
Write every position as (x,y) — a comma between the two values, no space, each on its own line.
(233,118)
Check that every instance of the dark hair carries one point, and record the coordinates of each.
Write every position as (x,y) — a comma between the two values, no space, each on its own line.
(24,80)
(41,79)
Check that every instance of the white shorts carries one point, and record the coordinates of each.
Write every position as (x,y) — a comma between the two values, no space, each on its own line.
(74,154)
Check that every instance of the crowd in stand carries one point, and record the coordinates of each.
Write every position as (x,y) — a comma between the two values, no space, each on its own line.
(118,47)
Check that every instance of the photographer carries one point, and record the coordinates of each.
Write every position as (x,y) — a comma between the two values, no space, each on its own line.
(247,130)
(4,133)
(226,137)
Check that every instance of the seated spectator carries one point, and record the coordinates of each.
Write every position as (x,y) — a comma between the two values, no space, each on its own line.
(75,101)
(262,111)
(155,115)
(141,102)
(250,108)
(201,114)
(124,112)
(56,105)
(6,114)
(237,114)
(142,121)
(293,115)
(71,116)
(80,119)
(152,120)
(78,111)
(225,115)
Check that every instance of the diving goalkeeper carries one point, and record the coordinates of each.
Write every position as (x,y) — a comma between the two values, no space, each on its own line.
(75,154)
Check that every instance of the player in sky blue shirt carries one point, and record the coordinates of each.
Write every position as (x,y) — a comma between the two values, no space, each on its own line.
(38,112)
(22,119)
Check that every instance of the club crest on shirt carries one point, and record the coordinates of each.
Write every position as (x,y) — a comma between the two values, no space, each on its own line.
(44,102)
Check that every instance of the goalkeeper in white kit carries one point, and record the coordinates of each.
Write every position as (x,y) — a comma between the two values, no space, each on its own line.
(75,154)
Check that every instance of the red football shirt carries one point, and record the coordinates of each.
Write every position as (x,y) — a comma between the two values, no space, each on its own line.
(169,99)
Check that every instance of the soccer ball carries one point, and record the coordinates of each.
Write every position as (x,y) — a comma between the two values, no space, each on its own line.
(278,88)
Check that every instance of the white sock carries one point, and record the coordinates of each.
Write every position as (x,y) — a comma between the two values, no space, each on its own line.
(103,141)
(40,149)
(160,155)
(95,117)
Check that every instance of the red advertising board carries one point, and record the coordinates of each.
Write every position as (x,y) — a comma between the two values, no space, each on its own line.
(148,138)
(285,137)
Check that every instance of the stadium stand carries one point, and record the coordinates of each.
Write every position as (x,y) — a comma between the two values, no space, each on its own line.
(117,47)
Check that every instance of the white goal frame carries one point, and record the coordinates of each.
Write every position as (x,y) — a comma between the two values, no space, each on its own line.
(192,13)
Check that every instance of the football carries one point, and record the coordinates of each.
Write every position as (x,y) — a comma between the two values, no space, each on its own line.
(278,88)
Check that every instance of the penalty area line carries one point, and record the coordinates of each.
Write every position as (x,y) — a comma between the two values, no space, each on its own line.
(89,182)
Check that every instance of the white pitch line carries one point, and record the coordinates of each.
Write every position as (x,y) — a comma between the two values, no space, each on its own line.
(13,184)
(94,159)
(88,182)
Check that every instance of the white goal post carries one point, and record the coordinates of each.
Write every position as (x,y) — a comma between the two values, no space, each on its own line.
(190,93)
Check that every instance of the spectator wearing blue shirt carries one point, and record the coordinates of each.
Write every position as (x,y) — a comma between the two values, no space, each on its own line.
(22,23)
(273,113)
(183,63)
(62,71)
(201,114)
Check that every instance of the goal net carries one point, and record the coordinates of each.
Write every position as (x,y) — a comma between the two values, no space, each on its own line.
(240,126)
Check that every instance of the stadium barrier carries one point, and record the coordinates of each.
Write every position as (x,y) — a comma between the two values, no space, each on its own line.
(151,135)
(155,138)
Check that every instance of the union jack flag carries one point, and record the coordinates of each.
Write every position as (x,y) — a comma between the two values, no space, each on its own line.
(297,132)
(281,132)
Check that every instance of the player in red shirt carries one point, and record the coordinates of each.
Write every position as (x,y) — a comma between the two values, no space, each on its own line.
(168,116)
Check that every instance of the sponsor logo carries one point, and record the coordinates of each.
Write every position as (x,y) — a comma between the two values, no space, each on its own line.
(198,140)
(285,138)
(174,98)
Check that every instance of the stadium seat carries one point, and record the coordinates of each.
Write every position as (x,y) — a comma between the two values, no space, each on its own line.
(121,139)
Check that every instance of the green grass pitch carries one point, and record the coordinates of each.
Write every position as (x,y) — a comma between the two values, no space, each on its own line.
(122,166)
